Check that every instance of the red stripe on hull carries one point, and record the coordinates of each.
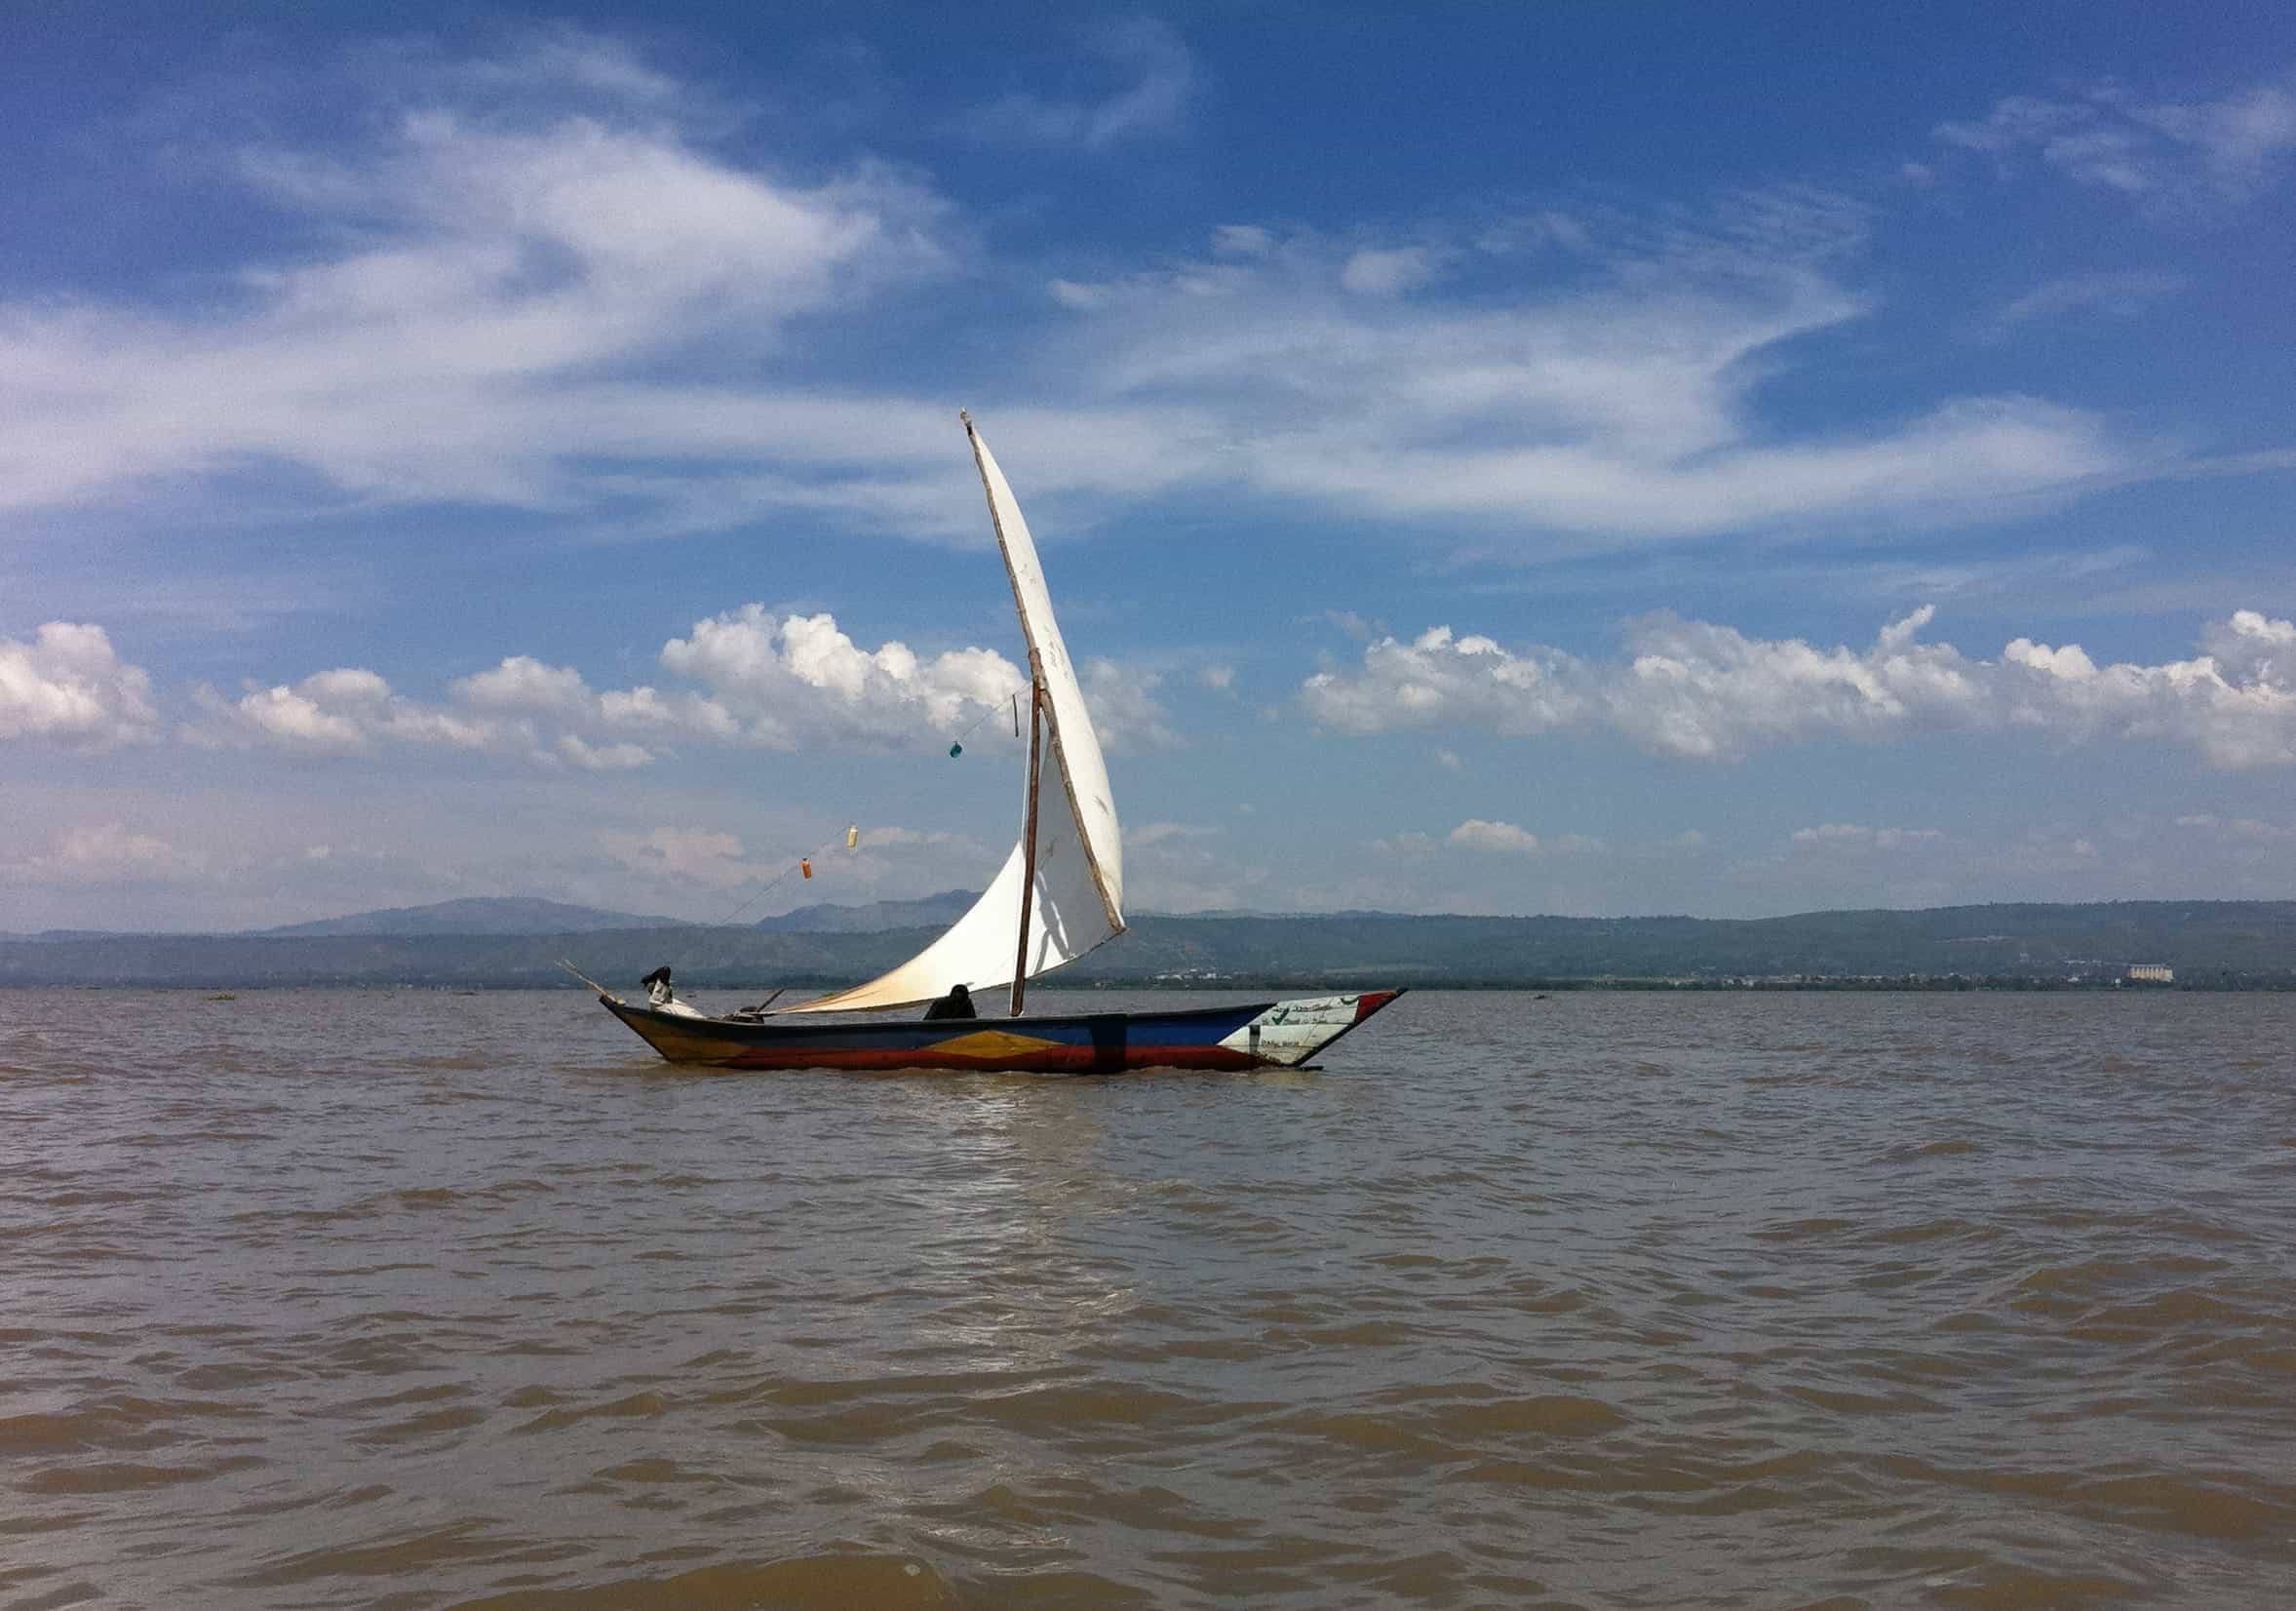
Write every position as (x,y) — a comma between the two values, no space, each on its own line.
(1371,1001)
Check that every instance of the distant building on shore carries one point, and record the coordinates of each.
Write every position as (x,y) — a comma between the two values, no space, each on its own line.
(2150,973)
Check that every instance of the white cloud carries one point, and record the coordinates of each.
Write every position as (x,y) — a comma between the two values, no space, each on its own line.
(1851,835)
(1161,833)
(520,276)
(2238,830)
(291,716)
(1502,838)
(109,845)
(1614,403)
(1221,679)
(1243,240)
(1389,273)
(1440,681)
(802,678)
(685,855)
(1124,709)
(760,680)
(485,335)
(1701,691)
(523,683)
(603,758)
(68,684)
(565,56)
(2227,150)
(102,853)
(1155,102)
(2116,296)
(341,711)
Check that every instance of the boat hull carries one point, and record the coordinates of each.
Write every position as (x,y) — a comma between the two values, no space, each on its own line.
(1249,1036)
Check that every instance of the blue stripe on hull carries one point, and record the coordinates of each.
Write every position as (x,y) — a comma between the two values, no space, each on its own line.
(1095,1042)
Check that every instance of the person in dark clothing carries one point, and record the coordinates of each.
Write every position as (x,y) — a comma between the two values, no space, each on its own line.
(957,1004)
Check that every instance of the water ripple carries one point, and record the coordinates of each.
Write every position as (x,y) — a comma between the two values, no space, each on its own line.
(423,1301)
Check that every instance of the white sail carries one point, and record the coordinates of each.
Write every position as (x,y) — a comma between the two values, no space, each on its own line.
(1078,898)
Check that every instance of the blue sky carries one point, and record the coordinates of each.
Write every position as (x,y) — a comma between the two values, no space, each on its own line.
(1577,458)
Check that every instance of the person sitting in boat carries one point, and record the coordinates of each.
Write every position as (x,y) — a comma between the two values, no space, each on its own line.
(662,999)
(957,1004)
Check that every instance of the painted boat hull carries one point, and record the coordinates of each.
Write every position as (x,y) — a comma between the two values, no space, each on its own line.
(1250,1036)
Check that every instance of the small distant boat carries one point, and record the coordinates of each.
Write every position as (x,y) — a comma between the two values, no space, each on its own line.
(1059,895)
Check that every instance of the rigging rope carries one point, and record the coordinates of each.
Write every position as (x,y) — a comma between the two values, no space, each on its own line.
(851,833)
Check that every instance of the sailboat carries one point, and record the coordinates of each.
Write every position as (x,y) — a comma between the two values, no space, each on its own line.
(1060,893)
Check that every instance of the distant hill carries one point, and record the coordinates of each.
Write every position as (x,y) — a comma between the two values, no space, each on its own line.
(930,912)
(479,914)
(2210,944)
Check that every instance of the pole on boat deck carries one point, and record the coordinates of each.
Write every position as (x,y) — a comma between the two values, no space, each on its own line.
(1019,965)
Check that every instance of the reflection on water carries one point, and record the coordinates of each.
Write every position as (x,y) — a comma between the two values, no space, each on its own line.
(417,1300)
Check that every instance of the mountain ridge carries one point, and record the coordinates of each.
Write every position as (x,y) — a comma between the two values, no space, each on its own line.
(2223,943)
(473,915)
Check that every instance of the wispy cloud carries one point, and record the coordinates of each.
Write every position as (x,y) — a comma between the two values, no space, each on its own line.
(1696,690)
(486,334)
(1857,836)
(1603,394)
(515,263)
(2173,154)
(1389,273)
(2113,296)
(1161,81)
(104,852)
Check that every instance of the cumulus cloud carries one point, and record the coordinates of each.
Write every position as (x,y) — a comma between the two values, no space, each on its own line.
(1438,679)
(341,711)
(802,678)
(1503,837)
(754,678)
(2228,150)
(1125,712)
(603,758)
(68,684)
(1697,690)
(523,683)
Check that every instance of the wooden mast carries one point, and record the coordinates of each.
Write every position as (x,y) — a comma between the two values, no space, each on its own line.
(1020,966)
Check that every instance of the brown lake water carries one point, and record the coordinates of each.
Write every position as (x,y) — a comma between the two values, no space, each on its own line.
(413,1300)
